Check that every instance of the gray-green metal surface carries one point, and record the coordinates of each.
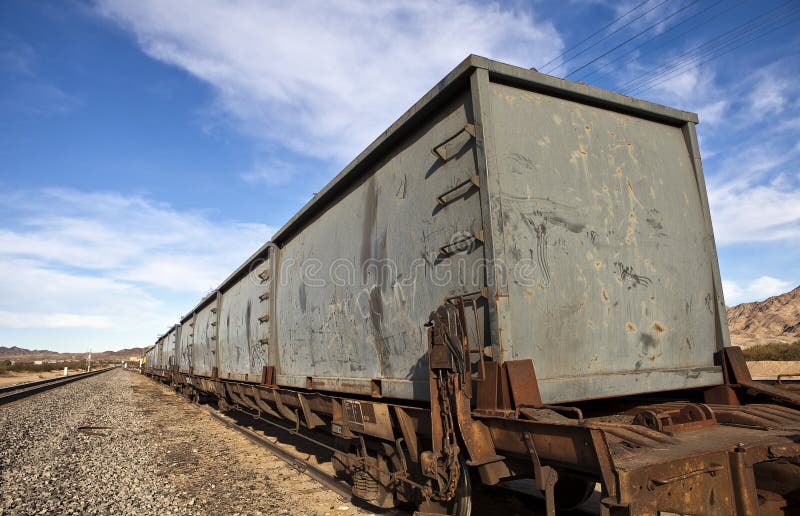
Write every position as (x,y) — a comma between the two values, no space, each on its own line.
(603,224)
(588,249)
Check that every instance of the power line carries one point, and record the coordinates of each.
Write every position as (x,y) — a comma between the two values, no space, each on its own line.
(608,36)
(642,89)
(706,48)
(690,4)
(694,56)
(692,61)
(587,38)
(676,36)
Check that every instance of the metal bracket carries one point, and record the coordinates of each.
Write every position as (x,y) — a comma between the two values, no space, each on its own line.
(451,147)
(545,477)
(447,197)
(461,244)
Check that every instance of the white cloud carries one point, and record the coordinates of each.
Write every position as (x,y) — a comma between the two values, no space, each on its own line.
(130,236)
(757,290)
(273,172)
(744,211)
(38,320)
(325,78)
(770,94)
(694,90)
(124,267)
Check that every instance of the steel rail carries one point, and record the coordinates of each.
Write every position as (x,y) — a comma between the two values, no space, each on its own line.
(303,466)
(23,390)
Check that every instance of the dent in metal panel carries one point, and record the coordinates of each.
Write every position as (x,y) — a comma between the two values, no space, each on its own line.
(357,285)
(605,240)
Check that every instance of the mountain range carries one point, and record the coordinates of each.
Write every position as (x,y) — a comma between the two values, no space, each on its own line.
(774,320)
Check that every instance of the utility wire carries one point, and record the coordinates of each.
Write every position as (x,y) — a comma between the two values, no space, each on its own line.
(587,38)
(648,29)
(694,57)
(683,65)
(770,31)
(703,49)
(607,36)
(676,36)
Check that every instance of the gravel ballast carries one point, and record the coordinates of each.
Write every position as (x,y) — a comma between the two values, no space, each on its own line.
(119,443)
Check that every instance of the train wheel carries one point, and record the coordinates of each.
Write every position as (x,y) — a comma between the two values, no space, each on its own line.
(571,491)
(460,505)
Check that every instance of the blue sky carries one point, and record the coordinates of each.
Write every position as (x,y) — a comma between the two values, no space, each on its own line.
(148,147)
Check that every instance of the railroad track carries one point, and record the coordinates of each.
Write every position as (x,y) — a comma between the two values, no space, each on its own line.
(23,390)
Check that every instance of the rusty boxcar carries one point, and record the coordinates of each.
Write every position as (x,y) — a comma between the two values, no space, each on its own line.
(518,278)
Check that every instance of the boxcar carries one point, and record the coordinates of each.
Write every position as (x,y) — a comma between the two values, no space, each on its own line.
(513,246)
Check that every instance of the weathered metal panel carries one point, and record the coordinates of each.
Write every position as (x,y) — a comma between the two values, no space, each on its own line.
(204,347)
(185,341)
(357,285)
(149,356)
(170,342)
(244,328)
(611,288)
(158,354)
(596,199)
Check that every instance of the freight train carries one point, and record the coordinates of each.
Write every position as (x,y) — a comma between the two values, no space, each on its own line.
(518,279)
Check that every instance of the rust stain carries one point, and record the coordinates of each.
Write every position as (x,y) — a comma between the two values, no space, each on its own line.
(630,327)
(658,327)
(604,294)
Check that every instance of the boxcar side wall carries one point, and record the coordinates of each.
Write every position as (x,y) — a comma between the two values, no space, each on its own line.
(612,285)
(358,283)
(185,340)
(170,345)
(245,324)
(204,346)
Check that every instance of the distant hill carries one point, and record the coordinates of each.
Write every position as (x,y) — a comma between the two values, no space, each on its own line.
(17,353)
(776,319)
(14,351)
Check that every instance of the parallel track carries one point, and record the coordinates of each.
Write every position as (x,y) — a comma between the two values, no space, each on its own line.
(23,390)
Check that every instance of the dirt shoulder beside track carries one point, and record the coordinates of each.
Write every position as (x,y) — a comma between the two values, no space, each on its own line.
(119,443)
